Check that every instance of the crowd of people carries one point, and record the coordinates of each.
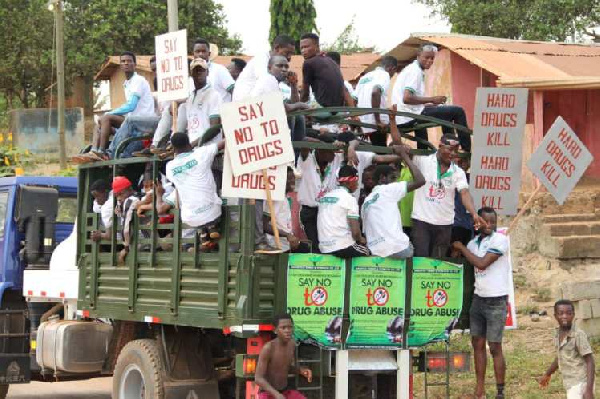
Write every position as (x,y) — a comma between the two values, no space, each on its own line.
(351,203)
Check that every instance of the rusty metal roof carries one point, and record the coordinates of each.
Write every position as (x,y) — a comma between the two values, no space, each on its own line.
(530,63)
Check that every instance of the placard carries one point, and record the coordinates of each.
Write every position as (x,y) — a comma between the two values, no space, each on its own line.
(560,160)
(377,294)
(498,129)
(257,133)
(315,297)
(252,185)
(436,300)
(172,73)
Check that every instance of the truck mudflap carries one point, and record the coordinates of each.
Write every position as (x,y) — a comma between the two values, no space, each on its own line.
(15,366)
(192,389)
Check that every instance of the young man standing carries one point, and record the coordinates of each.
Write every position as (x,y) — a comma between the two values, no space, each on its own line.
(321,74)
(337,58)
(409,95)
(338,219)
(371,92)
(235,67)
(218,76)
(382,223)
(275,361)
(488,253)
(574,355)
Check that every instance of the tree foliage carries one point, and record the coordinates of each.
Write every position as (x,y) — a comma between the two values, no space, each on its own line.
(292,17)
(519,19)
(93,30)
(347,42)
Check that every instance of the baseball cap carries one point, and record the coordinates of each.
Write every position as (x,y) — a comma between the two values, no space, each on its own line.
(449,139)
(120,183)
(198,62)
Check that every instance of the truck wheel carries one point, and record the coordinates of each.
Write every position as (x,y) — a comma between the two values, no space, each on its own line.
(139,371)
(3,391)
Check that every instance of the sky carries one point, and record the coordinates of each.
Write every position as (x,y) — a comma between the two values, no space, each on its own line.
(382,24)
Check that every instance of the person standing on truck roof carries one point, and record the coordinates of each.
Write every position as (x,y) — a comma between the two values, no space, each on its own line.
(382,223)
(139,102)
(235,67)
(337,58)
(338,220)
(488,253)
(219,77)
(275,362)
(409,95)
(195,188)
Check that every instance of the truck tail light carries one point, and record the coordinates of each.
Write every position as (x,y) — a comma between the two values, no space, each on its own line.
(245,365)
(438,361)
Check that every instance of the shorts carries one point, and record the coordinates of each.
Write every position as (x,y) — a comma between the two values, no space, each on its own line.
(488,317)
(288,394)
(577,391)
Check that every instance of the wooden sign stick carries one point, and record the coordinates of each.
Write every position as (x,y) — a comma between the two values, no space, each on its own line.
(271,209)
(174,106)
(525,207)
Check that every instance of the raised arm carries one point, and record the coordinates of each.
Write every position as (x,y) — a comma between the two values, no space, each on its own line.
(467,201)
(480,263)
(418,178)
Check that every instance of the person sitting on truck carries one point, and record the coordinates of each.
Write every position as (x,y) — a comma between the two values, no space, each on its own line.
(338,219)
(103,205)
(127,201)
(283,213)
(275,362)
(382,223)
(195,187)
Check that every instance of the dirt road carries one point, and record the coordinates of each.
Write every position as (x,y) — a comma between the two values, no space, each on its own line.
(97,388)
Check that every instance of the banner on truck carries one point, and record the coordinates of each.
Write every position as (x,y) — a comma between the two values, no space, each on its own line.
(257,133)
(498,131)
(252,185)
(172,73)
(315,297)
(377,294)
(560,160)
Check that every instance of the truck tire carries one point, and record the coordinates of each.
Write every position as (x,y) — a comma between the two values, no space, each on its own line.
(139,371)
(3,391)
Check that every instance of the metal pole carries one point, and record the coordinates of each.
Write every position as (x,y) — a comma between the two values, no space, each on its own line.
(173,16)
(60,82)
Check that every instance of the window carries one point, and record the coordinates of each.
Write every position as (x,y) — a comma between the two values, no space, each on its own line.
(3,208)
(67,210)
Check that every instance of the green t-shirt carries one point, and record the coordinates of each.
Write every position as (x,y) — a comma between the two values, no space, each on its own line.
(406,204)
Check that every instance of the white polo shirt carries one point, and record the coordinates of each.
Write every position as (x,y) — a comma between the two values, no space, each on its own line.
(201,106)
(105,210)
(286,91)
(382,223)
(335,208)
(494,280)
(220,79)
(412,78)
(139,86)
(313,186)
(194,183)
(434,202)
(377,79)
(264,85)
(255,68)
(283,214)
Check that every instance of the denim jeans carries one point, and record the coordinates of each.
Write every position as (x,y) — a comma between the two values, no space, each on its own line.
(132,126)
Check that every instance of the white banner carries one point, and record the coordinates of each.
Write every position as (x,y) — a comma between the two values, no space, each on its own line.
(256,133)
(172,73)
(496,162)
(560,160)
(251,185)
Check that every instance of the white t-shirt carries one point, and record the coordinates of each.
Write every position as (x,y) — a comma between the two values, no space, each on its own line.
(220,79)
(313,186)
(139,86)
(201,106)
(412,78)
(382,223)
(286,91)
(379,79)
(193,179)
(350,89)
(434,202)
(255,68)
(283,214)
(335,208)
(494,280)
(264,85)
(105,210)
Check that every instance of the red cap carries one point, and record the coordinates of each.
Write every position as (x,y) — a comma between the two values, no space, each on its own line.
(120,183)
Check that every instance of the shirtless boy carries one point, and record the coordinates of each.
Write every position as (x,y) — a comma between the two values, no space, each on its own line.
(275,361)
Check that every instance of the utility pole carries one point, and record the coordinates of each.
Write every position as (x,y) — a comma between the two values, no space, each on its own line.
(173,15)
(60,81)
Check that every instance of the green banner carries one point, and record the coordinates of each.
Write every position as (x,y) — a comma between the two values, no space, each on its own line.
(436,300)
(377,294)
(315,297)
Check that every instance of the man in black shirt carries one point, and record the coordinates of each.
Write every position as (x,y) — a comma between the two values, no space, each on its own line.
(321,74)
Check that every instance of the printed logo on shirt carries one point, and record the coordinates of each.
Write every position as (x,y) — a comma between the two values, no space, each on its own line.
(437,191)
(187,166)
(370,202)
(365,80)
(328,200)
(203,209)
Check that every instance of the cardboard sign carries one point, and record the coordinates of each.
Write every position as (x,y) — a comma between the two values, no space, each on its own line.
(172,73)
(560,160)
(500,116)
(257,133)
(251,185)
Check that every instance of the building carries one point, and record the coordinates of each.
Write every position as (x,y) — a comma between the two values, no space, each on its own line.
(563,79)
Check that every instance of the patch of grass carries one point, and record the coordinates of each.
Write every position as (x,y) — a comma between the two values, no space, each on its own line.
(520,281)
(527,309)
(543,295)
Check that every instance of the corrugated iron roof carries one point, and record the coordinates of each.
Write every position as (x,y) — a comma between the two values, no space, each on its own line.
(539,63)
(353,65)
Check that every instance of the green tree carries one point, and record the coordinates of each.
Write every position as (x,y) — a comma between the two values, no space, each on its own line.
(519,19)
(292,17)
(347,42)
